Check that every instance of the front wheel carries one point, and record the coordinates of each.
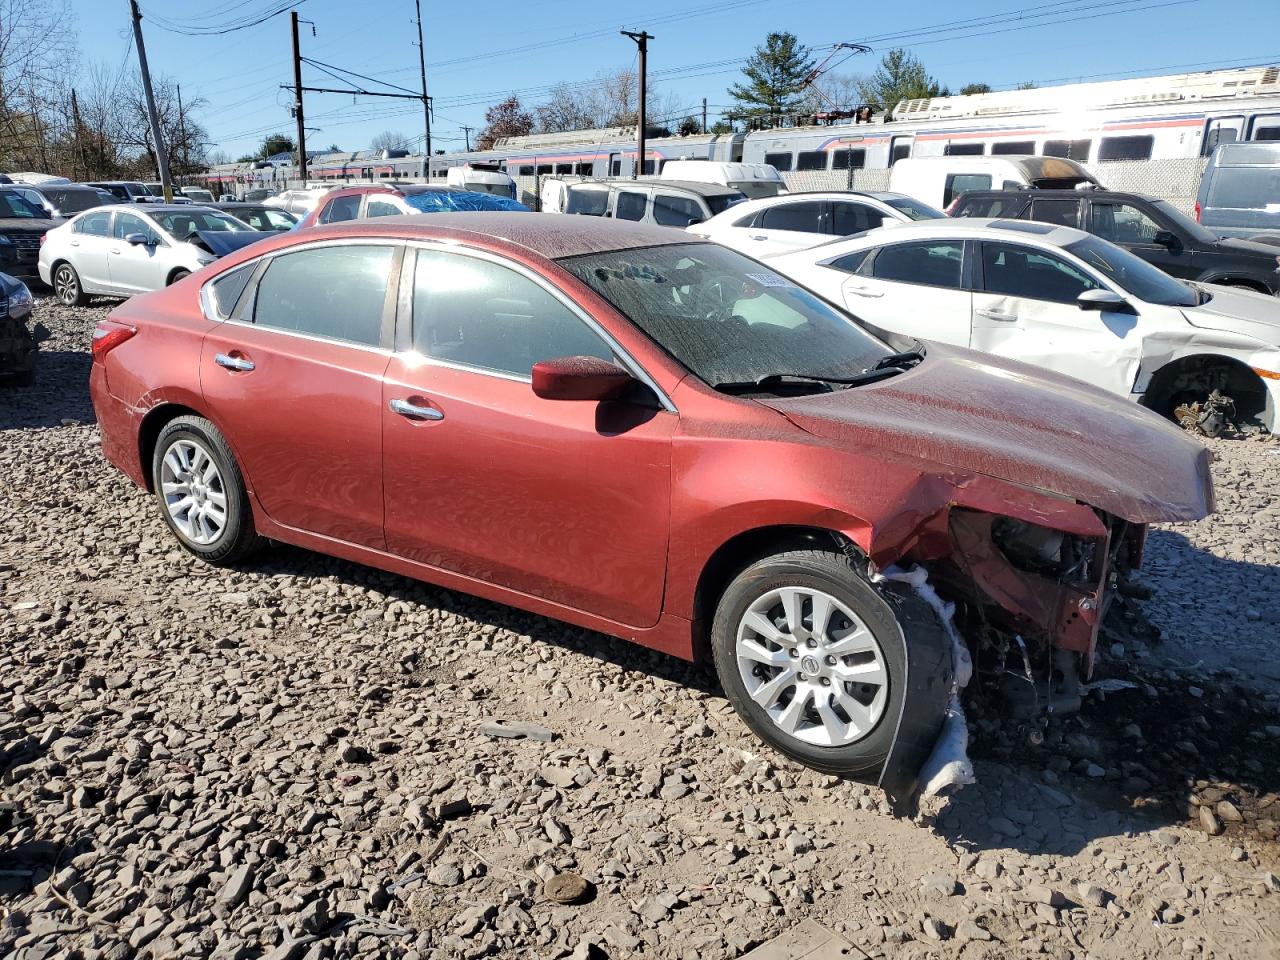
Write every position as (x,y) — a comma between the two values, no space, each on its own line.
(812,658)
(201,492)
(179,275)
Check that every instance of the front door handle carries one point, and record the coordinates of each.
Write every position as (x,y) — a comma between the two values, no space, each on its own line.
(756,236)
(415,411)
(233,363)
(864,291)
(997,315)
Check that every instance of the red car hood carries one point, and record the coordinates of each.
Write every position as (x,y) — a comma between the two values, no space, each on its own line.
(980,414)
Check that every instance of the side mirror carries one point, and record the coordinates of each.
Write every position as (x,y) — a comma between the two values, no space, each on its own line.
(1166,238)
(579,378)
(137,239)
(1103,301)
(693,220)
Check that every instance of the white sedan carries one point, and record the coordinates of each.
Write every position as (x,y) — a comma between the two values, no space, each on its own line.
(119,251)
(794,221)
(1062,299)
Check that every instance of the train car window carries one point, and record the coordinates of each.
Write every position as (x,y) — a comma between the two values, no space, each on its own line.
(584,169)
(964,149)
(1266,128)
(779,161)
(564,168)
(1071,149)
(1126,148)
(1015,147)
(848,159)
(615,166)
(648,169)
(901,150)
(811,160)
(1221,130)
(527,170)
(544,169)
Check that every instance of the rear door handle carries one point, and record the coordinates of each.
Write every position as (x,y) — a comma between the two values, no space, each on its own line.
(233,363)
(864,291)
(415,411)
(997,315)
(755,236)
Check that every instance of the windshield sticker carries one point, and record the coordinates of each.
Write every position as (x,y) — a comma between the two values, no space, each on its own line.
(769,280)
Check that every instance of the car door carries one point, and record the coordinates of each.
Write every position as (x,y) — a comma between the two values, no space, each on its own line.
(90,245)
(294,380)
(566,501)
(1025,308)
(136,268)
(1130,226)
(914,288)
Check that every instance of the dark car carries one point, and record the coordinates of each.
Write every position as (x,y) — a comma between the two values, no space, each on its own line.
(569,414)
(62,200)
(258,215)
(17,342)
(1152,229)
(128,191)
(22,225)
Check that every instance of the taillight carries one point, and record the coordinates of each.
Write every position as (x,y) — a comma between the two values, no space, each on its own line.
(43,237)
(1197,211)
(107,336)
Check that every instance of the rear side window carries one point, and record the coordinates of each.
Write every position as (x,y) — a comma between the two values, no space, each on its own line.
(811,160)
(342,208)
(1065,213)
(672,211)
(779,161)
(805,216)
(225,291)
(1123,223)
(95,224)
(588,201)
(1244,188)
(336,292)
(1125,148)
(848,159)
(850,218)
(958,183)
(1071,149)
(381,208)
(630,206)
(933,264)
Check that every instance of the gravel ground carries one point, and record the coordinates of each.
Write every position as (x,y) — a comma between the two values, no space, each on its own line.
(289,760)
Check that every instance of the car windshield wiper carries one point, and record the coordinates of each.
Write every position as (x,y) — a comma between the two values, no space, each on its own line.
(888,367)
(908,358)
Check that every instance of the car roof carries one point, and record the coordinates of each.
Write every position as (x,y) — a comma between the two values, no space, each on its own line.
(552,235)
(975,228)
(1059,194)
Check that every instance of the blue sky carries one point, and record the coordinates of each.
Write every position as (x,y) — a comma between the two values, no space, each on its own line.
(476,54)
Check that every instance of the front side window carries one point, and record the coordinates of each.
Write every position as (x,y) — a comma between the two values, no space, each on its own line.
(929,263)
(95,224)
(850,218)
(482,314)
(958,183)
(779,161)
(1133,274)
(725,317)
(19,208)
(127,223)
(724,201)
(1065,213)
(381,208)
(587,201)
(336,292)
(74,201)
(630,206)
(341,208)
(186,223)
(1125,148)
(914,209)
(673,211)
(1012,270)
(1123,223)
(805,216)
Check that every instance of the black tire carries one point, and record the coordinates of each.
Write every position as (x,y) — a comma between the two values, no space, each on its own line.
(838,576)
(179,275)
(237,538)
(26,378)
(69,292)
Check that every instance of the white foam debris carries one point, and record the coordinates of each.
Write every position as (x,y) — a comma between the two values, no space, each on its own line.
(948,765)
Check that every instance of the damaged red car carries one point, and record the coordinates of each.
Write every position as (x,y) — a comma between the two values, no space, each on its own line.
(656,438)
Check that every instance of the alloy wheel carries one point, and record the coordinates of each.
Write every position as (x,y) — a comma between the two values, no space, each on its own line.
(812,665)
(193,490)
(66,286)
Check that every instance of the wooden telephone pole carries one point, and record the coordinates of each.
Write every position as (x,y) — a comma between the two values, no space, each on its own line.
(157,135)
(297,100)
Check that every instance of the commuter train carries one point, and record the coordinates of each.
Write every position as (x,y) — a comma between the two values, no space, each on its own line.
(1151,118)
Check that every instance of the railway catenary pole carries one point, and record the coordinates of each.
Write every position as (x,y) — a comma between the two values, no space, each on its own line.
(297,100)
(704,115)
(426,101)
(642,41)
(157,137)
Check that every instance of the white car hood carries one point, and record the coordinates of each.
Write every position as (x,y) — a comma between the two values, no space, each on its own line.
(1232,310)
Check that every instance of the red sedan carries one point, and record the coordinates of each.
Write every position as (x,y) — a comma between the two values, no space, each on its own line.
(654,437)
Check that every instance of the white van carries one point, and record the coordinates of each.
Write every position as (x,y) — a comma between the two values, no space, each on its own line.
(668,203)
(753,179)
(937,181)
(486,178)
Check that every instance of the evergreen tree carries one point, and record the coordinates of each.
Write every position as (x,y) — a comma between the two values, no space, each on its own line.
(899,77)
(969,88)
(776,72)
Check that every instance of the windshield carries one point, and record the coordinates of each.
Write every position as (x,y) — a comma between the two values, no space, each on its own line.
(914,208)
(724,202)
(758,188)
(74,201)
(13,205)
(182,224)
(1184,223)
(728,318)
(462,200)
(1132,274)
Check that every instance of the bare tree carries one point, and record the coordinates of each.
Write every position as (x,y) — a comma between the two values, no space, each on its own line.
(390,140)
(36,43)
(835,91)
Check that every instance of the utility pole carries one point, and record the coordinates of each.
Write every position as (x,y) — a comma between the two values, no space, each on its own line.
(642,41)
(297,99)
(75,118)
(157,137)
(466,132)
(426,101)
(704,114)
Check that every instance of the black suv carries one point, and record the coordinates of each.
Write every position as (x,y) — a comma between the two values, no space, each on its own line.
(1152,229)
(21,227)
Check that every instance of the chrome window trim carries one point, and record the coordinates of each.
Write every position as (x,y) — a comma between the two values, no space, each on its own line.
(437,246)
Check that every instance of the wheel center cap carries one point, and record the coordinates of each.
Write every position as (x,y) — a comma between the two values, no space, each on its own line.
(810,664)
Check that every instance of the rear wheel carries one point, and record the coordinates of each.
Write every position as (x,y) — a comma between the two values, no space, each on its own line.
(811,657)
(201,491)
(67,287)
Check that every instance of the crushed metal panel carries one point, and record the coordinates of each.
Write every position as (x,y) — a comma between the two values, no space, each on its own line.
(807,940)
